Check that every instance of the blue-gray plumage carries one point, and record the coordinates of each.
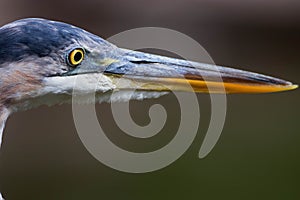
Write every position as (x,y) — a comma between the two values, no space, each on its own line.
(38,37)
(44,62)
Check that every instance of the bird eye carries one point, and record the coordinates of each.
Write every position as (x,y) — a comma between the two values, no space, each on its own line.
(75,57)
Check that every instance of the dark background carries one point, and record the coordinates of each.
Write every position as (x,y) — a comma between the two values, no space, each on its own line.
(258,153)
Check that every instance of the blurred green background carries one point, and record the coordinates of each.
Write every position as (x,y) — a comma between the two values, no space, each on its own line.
(257,156)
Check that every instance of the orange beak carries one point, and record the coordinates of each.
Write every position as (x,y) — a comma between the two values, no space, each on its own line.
(142,71)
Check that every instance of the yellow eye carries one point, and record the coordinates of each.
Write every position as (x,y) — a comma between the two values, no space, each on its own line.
(75,57)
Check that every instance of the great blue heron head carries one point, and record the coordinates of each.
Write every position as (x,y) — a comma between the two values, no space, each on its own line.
(40,57)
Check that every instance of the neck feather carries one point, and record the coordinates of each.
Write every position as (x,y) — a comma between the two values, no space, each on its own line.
(4,113)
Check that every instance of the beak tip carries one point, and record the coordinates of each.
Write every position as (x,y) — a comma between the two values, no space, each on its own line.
(293,87)
(284,88)
(288,87)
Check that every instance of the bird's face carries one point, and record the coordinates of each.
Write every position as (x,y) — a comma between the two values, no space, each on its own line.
(41,57)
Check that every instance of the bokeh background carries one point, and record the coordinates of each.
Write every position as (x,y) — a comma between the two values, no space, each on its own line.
(257,156)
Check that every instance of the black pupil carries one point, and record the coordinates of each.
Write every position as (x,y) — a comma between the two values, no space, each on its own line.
(78,57)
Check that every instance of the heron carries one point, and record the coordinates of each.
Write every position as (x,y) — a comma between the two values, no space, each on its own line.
(40,60)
